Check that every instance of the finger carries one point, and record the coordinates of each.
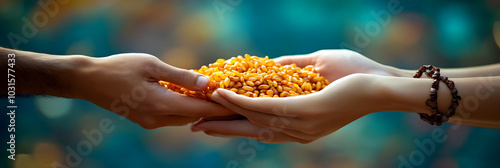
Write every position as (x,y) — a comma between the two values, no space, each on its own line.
(299,134)
(276,106)
(173,120)
(172,103)
(272,121)
(185,78)
(153,122)
(217,118)
(246,129)
(299,60)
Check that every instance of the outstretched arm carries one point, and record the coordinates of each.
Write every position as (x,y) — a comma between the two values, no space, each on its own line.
(126,84)
(341,63)
(309,117)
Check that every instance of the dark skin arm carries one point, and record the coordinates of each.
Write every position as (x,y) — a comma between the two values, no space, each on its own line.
(126,84)
(43,74)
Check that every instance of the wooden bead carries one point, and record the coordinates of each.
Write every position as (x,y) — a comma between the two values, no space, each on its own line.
(444,119)
(444,79)
(454,90)
(435,84)
(431,103)
(448,112)
(450,84)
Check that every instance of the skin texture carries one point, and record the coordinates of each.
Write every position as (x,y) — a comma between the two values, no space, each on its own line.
(350,96)
(126,84)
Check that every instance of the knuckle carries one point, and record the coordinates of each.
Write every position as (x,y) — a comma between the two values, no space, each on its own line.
(158,108)
(183,75)
(147,56)
(154,108)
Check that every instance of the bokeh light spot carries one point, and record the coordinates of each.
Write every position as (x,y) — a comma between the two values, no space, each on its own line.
(456,30)
(53,107)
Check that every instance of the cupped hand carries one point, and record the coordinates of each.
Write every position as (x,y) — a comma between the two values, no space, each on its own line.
(300,119)
(127,84)
(335,64)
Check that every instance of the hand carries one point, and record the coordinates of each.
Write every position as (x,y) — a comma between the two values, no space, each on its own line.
(127,84)
(300,119)
(335,64)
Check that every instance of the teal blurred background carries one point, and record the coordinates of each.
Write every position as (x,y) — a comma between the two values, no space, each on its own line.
(192,33)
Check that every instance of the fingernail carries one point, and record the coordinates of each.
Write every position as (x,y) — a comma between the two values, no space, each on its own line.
(201,82)
(219,91)
(223,92)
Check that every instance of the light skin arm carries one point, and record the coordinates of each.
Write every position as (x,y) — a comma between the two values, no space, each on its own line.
(485,70)
(306,118)
(478,107)
(346,62)
(350,96)
(126,84)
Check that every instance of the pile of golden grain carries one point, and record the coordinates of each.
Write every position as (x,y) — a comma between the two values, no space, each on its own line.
(253,76)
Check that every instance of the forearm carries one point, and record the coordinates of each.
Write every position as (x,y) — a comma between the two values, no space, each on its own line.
(479,105)
(41,74)
(486,70)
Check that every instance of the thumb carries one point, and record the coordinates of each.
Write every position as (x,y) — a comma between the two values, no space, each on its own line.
(299,60)
(185,78)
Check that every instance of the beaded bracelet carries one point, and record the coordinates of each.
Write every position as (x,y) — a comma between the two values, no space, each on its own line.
(436,117)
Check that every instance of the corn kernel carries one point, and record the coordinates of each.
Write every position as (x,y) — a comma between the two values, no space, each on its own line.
(248,88)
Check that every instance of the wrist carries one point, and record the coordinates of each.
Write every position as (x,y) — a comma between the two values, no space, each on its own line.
(371,93)
(73,75)
(403,94)
(399,72)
